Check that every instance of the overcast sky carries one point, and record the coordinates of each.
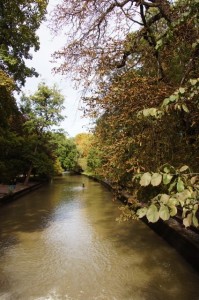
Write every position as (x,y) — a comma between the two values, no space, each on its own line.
(74,122)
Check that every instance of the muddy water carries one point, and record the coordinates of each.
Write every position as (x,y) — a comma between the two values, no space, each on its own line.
(62,242)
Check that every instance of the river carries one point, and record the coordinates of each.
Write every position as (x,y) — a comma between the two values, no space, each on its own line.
(62,242)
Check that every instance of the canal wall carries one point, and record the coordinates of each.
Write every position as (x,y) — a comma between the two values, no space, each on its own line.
(19,191)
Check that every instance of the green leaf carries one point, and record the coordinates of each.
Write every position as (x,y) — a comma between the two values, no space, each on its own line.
(180,185)
(172,185)
(195,208)
(193,179)
(184,194)
(173,98)
(141,212)
(172,202)
(153,112)
(166,102)
(188,220)
(156,179)
(145,179)
(164,198)
(185,108)
(182,90)
(166,170)
(193,81)
(146,112)
(152,214)
(158,44)
(183,168)
(164,212)
(173,210)
(167,178)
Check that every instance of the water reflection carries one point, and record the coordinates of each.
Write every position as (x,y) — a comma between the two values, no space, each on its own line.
(62,242)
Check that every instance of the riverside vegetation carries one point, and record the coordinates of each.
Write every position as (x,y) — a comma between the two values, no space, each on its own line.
(138,64)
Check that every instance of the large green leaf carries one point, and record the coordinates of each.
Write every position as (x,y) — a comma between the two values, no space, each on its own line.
(145,179)
(180,185)
(167,178)
(156,179)
(152,214)
(164,212)
(141,212)
(164,198)
(172,201)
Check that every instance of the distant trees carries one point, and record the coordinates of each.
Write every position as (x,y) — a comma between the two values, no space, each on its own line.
(67,152)
(83,143)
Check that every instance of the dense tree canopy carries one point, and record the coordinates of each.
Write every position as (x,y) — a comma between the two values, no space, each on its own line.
(19,21)
(42,111)
(67,153)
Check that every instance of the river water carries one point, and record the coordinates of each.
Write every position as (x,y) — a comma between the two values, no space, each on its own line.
(62,242)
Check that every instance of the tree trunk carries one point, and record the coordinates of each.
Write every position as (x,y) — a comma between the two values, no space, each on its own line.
(28,175)
(30,169)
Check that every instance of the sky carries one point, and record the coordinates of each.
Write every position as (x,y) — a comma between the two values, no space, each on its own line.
(74,123)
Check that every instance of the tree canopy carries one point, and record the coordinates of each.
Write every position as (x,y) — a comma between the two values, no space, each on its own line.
(42,111)
(107,36)
(19,21)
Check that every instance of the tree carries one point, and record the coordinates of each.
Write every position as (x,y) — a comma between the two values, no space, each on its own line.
(67,153)
(42,110)
(143,90)
(83,142)
(93,160)
(11,128)
(19,21)
(98,31)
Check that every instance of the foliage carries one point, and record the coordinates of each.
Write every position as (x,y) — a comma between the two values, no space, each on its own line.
(67,153)
(93,160)
(143,90)
(83,143)
(177,189)
(11,140)
(42,111)
(19,21)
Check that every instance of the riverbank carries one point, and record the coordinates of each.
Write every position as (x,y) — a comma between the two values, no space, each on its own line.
(6,195)
(184,240)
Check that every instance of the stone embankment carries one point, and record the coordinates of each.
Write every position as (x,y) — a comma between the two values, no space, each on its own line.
(9,193)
